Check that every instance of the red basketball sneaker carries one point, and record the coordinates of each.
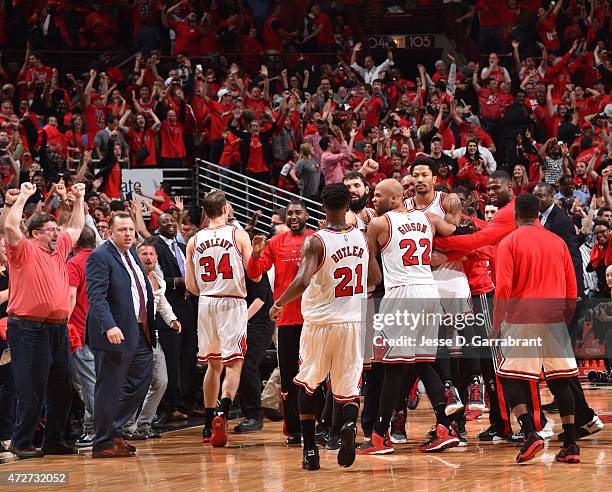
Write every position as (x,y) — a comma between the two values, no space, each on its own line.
(376,445)
(571,454)
(441,439)
(532,445)
(219,435)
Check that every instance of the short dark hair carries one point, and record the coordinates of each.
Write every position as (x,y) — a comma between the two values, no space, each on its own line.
(564,180)
(426,161)
(118,215)
(335,196)
(550,189)
(296,201)
(147,241)
(527,206)
(213,204)
(281,212)
(501,175)
(324,143)
(37,222)
(604,223)
(354,175)
(601,211)
(87,239)
(117,206)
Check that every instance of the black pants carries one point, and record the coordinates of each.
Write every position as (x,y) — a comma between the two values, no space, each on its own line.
(288,363)
(216,149)
(122,382)
(180,351)
(373,380)
(259,336)
(40,356)
(7,398)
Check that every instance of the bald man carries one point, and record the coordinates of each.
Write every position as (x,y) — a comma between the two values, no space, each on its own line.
(404,240)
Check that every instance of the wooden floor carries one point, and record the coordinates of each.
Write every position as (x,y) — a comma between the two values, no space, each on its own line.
(260,461)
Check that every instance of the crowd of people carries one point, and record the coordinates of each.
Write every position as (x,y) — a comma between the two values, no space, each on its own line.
(537,106)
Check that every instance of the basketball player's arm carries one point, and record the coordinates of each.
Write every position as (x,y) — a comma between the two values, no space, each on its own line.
(190,278)
(312,251)
(571,287)
(374,273)
(246,250)
(378,234)
(452,206)
(504,272)
(261,259)
(441,227)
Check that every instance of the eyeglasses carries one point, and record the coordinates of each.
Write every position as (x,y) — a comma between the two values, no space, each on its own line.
(50,229)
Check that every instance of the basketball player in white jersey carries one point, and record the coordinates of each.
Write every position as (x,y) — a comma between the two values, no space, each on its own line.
(337,267)
(359,215)
(451,280)
(216,260)
(405,241)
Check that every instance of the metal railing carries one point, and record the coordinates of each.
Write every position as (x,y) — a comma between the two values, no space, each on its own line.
(247,195)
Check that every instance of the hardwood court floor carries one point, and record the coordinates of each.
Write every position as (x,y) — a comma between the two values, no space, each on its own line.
(260,461)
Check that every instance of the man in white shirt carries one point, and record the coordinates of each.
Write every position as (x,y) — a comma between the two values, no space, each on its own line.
(140,428)
(370,72)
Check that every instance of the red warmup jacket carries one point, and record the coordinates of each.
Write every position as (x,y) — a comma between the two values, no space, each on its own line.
(535,279)
(460,246)
(476,268)
(284,252)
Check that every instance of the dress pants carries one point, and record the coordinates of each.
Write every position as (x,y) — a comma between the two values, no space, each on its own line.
(122,381)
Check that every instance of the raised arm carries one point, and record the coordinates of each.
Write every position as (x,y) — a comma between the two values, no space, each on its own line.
(12,223)
(77,218)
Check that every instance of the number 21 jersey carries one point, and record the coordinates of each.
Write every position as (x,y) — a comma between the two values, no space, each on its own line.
(406,257)
(218,263)
(339,285)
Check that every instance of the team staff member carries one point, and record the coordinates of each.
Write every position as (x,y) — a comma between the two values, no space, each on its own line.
(37,326)
(283,251)
(535,289)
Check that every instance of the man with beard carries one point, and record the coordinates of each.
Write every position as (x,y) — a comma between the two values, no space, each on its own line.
(404,240)
(359,215)
(180,347)
(283,252)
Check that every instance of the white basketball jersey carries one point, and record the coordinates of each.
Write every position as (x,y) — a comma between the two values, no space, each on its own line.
(218,263)
(406,257)
(361,224)
(339,286)
(447,271)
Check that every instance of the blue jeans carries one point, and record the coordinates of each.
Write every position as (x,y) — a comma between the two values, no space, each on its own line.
(83,371)
(40,356)
(7,398)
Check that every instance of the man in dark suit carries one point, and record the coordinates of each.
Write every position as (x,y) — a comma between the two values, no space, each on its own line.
(180,349)
(556,220)
(120,333)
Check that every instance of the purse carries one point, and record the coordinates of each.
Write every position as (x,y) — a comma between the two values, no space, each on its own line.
(141,154)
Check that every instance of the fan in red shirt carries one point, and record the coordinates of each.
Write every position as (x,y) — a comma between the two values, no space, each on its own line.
(188,33)
(547,26)
(220,116)
(172,143)
(141,138)
(535,295)
(324,32)
(99,29)
(283,252)
(110,172)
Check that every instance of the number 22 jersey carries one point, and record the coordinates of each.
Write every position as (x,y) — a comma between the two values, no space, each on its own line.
(218,263)
(339,285)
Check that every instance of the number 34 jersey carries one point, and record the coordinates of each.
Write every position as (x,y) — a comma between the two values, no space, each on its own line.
(406,257)
(218,263)
(339,285)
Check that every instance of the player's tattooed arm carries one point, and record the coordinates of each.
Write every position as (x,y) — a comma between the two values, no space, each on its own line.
(312,252)
(442,228)
(190,278)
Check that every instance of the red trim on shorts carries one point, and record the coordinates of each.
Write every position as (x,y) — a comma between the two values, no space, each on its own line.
(232,358)
(501,398)
(526,376)
(203,359)
(567,373)
(307,388)
(397,360)
(345,399)
(224,297)
(390,233)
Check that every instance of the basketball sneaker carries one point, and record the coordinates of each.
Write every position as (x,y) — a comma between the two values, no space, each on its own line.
(333,443)
(206,435)
(570,454)
(456,431)
(442,439)
(490,435)
(413,398)
(218,439)
(517,438)
(346,453)
(294,440)
(453,402)
(376,445)
(398,428)
(532,445)
(472,415)
(311,459)
(594,426)
(476,395)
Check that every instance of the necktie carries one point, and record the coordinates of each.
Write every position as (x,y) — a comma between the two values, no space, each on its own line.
(142,312)
(179,257)
(540,216)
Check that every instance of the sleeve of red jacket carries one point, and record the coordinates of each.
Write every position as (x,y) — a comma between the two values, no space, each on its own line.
(503,283)
(501,225)
(259,266)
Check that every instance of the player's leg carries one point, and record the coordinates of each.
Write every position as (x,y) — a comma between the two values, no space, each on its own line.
(398,423)
(288,362)
(307,406)
(373,379)
(564,396)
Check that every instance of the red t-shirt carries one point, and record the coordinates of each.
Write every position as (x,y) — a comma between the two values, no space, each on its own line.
(95,118)
(76,278)
(218,122)
(373,106)
(284,252)
(172,143)
(258,106)
(137,140)
(187,38)
(490,104)
(112,185)
(326,35)
(547,29)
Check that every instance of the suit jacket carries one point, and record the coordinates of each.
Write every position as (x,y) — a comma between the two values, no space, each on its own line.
(560,223)
(109,292)
(170,268)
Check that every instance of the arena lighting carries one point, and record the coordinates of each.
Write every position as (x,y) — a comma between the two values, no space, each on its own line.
(399,41)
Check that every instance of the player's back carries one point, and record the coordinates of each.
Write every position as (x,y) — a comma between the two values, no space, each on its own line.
(406,257)
(339,286)
(218,263)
